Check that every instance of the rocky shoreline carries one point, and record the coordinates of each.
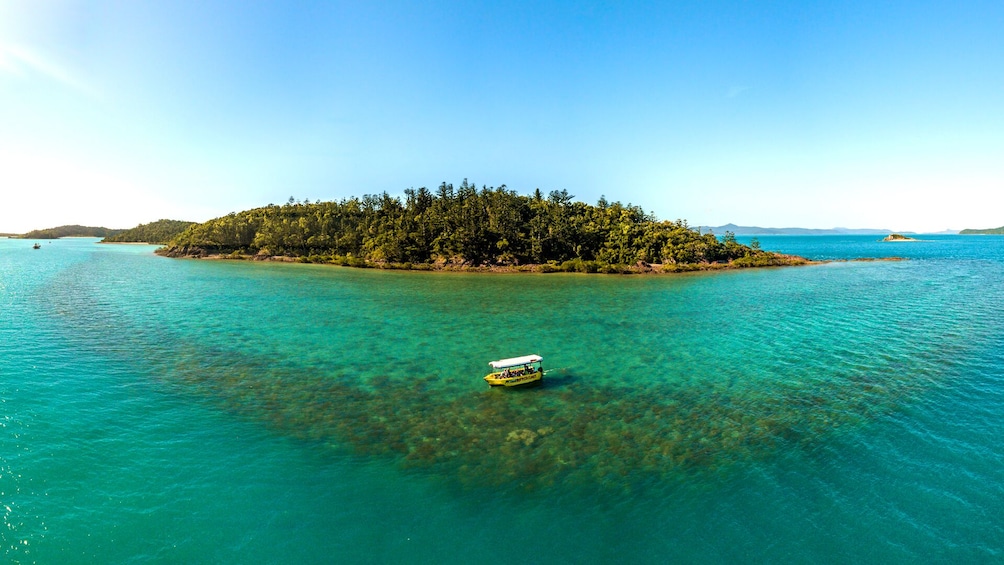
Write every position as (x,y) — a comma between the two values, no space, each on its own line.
(641,267)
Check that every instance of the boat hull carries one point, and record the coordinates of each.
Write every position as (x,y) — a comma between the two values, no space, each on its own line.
(526,380)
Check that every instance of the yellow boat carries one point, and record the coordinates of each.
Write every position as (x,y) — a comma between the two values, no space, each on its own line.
(517,371)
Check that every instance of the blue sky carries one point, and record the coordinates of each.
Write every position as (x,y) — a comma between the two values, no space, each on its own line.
(811,114)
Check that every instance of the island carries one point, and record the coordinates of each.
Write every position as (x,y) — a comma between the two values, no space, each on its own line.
(467,229)
(159,232)
(756,230)
(898,237)
(991,231)
(68,231)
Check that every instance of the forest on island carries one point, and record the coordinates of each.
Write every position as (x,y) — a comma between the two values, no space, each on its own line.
(991,231)
(161,231)
(467,227)
(69,231)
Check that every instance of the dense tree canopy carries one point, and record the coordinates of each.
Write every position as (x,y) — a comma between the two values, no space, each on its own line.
(69,231)
(463,226)
(160,231)
(991,231)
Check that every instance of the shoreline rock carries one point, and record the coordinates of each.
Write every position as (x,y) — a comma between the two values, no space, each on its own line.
(641,267)
(898,237)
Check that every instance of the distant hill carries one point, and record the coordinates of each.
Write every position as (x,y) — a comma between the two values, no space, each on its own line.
(754,230)
(69,231)
(991,231)
(160,231)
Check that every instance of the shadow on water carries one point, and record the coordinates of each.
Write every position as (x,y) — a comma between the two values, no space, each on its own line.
(559,378)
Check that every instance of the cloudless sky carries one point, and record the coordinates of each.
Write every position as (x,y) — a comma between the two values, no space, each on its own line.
(810,114)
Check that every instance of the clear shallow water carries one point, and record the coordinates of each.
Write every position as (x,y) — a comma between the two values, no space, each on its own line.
(185,411)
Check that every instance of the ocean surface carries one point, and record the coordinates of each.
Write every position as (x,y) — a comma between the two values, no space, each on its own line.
(158,410)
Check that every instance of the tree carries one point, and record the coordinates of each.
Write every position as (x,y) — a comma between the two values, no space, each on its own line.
(487,226)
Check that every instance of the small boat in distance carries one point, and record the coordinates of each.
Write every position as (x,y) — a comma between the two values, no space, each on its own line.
(36,246)
(517,371)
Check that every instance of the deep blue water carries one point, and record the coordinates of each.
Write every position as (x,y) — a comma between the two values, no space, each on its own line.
(159,410)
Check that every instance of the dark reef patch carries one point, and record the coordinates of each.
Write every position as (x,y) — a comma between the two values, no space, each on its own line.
(583,434)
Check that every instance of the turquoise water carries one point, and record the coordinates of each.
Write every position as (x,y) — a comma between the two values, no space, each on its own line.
(159,410)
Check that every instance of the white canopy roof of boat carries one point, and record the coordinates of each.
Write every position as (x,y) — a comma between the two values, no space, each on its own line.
(515,361)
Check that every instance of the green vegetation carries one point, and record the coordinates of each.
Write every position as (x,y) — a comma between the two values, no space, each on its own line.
(897,237)
(469,228)
(991,231)
(69,231)
(161,231)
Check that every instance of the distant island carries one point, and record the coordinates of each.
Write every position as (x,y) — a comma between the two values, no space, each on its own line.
(754,230)
(991,231)
(159,232)
(492,229)
(68,231)
(898,237)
